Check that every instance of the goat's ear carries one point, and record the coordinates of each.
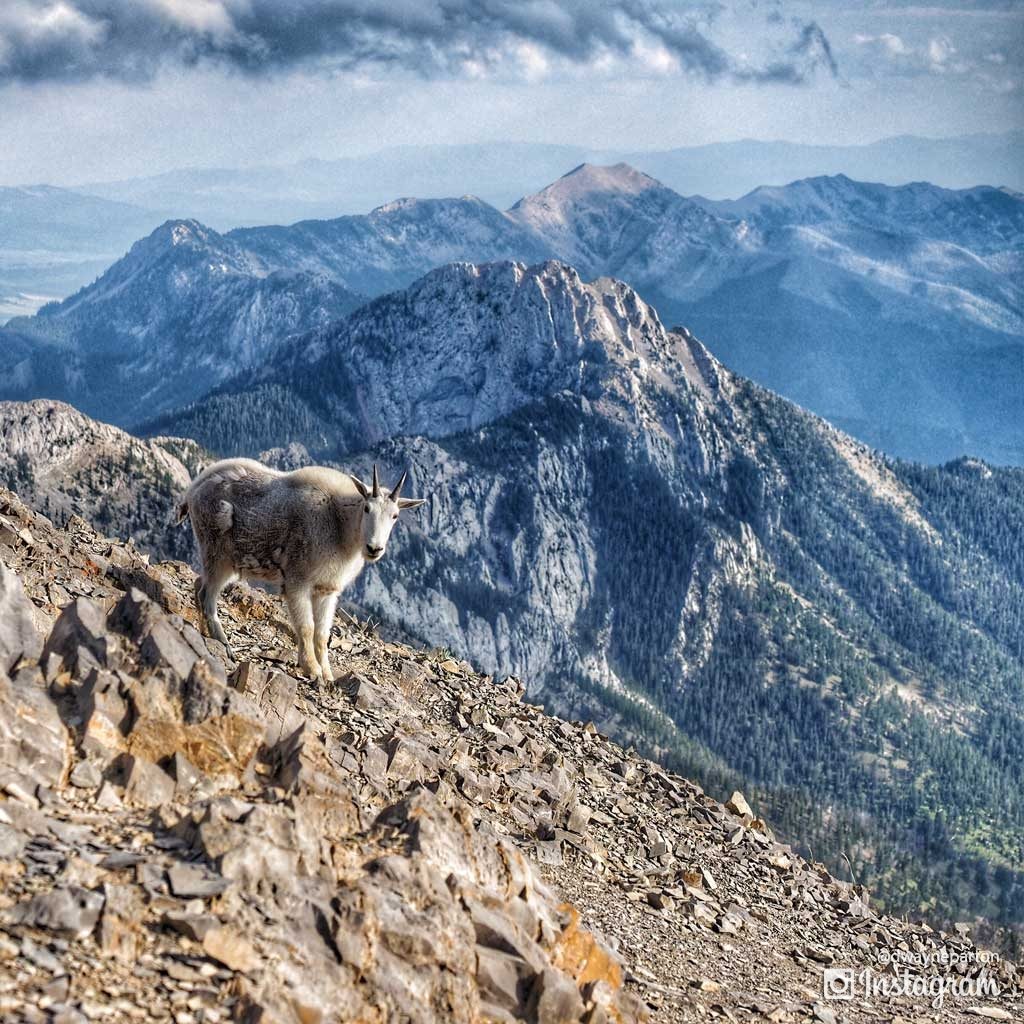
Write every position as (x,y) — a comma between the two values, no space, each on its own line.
(360,486)
(406,503)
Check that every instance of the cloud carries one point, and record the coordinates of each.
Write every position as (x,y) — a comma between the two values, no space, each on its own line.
(891,44)
(936,55)
(131,40)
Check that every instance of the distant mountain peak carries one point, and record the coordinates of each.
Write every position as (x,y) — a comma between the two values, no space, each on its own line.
(589,179)
(185,231)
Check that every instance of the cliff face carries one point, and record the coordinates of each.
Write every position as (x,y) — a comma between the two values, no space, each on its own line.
(185,835)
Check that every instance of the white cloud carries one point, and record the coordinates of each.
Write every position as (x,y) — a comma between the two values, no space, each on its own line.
(936,55)
(887,41)
(940,50)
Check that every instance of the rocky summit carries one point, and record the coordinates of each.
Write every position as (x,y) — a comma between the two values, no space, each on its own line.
(187,838)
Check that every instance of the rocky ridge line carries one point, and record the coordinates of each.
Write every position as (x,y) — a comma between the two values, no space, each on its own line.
(187,839)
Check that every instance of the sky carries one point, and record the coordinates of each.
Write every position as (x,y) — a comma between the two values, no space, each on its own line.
(95,90)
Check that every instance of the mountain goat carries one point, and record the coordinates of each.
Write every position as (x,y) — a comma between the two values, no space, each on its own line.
(311,531)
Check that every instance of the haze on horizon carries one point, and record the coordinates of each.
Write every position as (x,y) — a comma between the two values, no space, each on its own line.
(237,84)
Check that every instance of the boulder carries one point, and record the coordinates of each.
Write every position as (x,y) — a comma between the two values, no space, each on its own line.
(35,748)
(18,635)
(68,910)
(80,637)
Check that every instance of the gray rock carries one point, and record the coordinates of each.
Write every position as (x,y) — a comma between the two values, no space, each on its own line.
(40,956)
(555,999)
(35,748)
(273,694)
(160,644)
(189,880)
(185,774)
(494,930)
(67,1015)
(69,910)
(86,775)
(207,695)
(366,694)
(191,925)
(504,979)
(80,636)
(18,635)
(120,927)
(12,842)
(146,784)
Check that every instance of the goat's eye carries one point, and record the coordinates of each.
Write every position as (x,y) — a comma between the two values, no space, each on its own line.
(366,508)
(395,516)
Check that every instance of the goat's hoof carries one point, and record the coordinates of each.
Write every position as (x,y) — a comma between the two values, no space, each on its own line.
(310,670)
(325,673)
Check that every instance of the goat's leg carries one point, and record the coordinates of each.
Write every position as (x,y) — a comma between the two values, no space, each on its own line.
(300,610)
(324,605)
(208,588)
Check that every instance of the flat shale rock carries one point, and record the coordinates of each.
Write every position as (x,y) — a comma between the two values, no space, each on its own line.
(180,842)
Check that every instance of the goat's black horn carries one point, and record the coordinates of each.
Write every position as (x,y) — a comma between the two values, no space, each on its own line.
(398,487)
(376,482)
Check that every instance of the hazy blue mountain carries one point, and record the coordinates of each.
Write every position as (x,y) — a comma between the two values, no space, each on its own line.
(183,310)
(696,564)
(725,170)
(324,189)
(896,313)
(188,307)
(396,243)
(501,172)
(53,241)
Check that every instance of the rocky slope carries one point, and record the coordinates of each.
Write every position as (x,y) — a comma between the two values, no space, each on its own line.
(67,464)
(895,312)
(190,839)
(701,567)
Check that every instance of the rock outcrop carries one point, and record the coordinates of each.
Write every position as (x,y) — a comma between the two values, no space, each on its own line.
(187,838)
(64,463)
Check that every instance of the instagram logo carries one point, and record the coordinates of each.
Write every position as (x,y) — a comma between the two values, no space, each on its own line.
(838,983)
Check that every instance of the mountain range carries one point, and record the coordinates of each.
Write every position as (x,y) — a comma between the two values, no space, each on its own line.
(45,254)
(895,312)
(499,172)
(704,569)
(183,309)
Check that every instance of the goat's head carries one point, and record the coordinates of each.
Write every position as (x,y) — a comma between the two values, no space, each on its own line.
(380,513)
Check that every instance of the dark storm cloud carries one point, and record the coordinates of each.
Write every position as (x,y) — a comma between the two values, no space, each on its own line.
(810,49)
(74,40)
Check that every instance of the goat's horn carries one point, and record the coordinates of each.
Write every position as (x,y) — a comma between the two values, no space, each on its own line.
(376,482)
(398,487)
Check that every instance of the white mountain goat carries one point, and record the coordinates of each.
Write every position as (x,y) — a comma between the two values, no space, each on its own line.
(311,530)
